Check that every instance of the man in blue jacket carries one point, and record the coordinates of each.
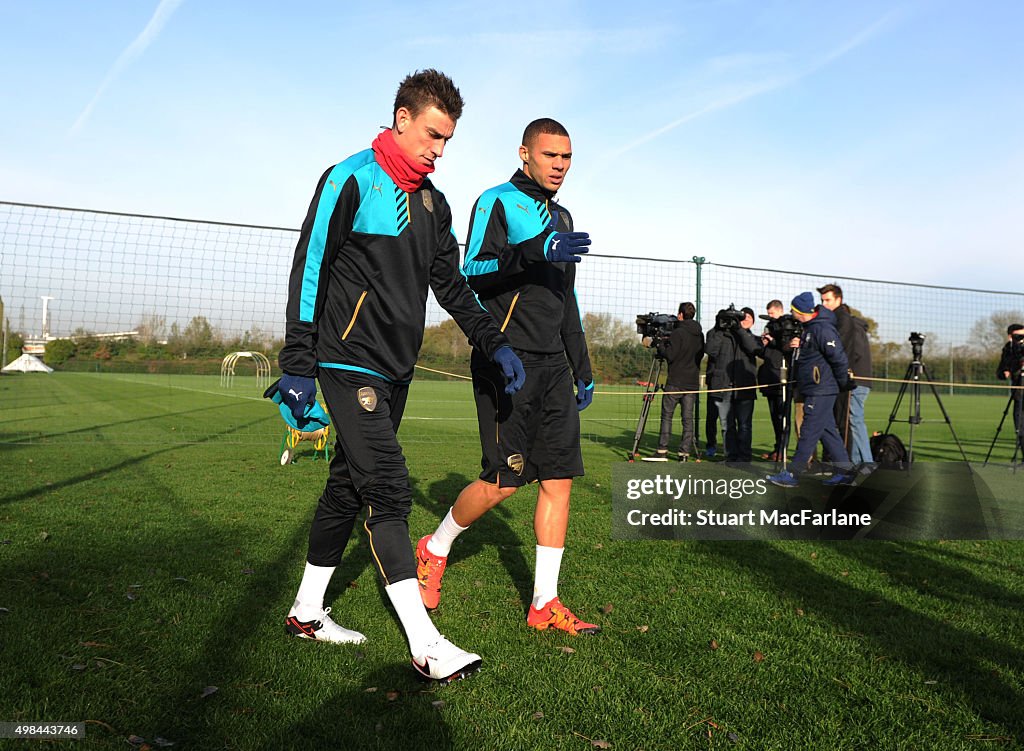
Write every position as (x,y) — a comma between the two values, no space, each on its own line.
(820,372)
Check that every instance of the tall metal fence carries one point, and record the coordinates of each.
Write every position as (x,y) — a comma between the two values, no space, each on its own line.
(107,273)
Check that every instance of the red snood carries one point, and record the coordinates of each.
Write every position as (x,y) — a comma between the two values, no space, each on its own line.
(407,174)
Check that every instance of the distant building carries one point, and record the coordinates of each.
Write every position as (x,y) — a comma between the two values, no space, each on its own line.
(36,345)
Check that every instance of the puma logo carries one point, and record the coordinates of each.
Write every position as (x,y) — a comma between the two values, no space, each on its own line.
(377,188)
(520,206)
(831,343)
(297,395)
(554,244)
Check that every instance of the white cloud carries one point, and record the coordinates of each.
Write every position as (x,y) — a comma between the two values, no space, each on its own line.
(744,61)
(138,45)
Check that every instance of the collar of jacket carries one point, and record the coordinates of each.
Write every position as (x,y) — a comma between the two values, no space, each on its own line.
(527,185)
(824,316)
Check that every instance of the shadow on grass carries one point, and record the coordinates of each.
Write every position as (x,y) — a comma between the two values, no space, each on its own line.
(491,529)
(932,648)
(11,438)
(398,712)
(112,469)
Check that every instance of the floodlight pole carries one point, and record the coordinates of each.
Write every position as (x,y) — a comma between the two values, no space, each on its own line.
(46,329)
(698,261)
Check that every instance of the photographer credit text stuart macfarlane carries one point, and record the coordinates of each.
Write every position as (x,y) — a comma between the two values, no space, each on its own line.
(668,487)
(715,502)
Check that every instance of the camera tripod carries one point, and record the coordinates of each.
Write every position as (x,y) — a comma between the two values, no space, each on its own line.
(916,372)
(1018,420)
(787,406)
(651,387)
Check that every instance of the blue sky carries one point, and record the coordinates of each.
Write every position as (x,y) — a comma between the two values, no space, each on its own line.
(870,139)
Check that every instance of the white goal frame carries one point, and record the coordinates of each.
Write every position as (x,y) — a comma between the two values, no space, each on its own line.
(227,368)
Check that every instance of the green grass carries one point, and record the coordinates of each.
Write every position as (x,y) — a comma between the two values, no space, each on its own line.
(151,545)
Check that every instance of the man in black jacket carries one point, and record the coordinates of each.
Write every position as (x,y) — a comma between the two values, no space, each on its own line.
(849,407)
(769,378)
(377,235)
(521,258)
(683,351)
(732,377)
(1011,368)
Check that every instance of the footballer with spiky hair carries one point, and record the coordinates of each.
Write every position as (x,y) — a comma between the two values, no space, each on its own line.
(377,235)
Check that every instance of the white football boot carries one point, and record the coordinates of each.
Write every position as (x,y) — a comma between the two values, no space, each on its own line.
(321,628)
(443,662)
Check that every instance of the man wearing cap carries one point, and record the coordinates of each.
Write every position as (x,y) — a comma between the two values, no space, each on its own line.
(820,373)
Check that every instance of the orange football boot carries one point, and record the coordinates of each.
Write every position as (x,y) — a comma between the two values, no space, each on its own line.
(429,570)
(556,615)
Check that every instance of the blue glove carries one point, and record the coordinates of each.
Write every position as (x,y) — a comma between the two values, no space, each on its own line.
(297,392)
(584,395)
(512,367)
(562,247)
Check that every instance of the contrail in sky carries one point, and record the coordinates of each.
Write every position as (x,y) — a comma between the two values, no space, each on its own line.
(862,37)
(148,35)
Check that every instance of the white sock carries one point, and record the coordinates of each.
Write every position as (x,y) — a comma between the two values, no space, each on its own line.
(440,543)
(420,631)
(309,602)
(545,580)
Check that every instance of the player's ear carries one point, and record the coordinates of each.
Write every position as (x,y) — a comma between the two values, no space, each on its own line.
(403,118)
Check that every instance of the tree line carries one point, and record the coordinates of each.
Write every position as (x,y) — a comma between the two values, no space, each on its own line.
(617,355)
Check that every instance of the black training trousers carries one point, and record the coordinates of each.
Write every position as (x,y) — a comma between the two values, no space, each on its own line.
(368,470)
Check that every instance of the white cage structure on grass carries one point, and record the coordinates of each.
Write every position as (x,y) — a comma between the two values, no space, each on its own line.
(227,368)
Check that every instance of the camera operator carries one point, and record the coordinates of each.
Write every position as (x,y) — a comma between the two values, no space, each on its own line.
(1011,363)
(732,348)
(684,349)
(820,372)
(769,377)
(849,408)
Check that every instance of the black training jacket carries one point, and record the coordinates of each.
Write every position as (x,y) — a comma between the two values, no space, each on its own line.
(532,300)
(366,255)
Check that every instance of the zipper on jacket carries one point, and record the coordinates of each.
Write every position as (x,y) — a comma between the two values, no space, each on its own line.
(355,314)
(508,315)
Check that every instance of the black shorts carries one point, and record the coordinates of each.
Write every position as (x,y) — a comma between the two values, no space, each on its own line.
(533,434)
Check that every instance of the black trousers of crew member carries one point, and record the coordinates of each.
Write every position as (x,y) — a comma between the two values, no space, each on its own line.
(669,401)
(777,411)
(841,410)
(368,471)
(819,423)
(711,422)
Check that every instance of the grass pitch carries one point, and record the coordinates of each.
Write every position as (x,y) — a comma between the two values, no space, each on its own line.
(150,545)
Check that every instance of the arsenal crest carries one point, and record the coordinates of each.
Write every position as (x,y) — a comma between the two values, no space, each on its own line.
(367,398)
(428,200)
(516,464)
